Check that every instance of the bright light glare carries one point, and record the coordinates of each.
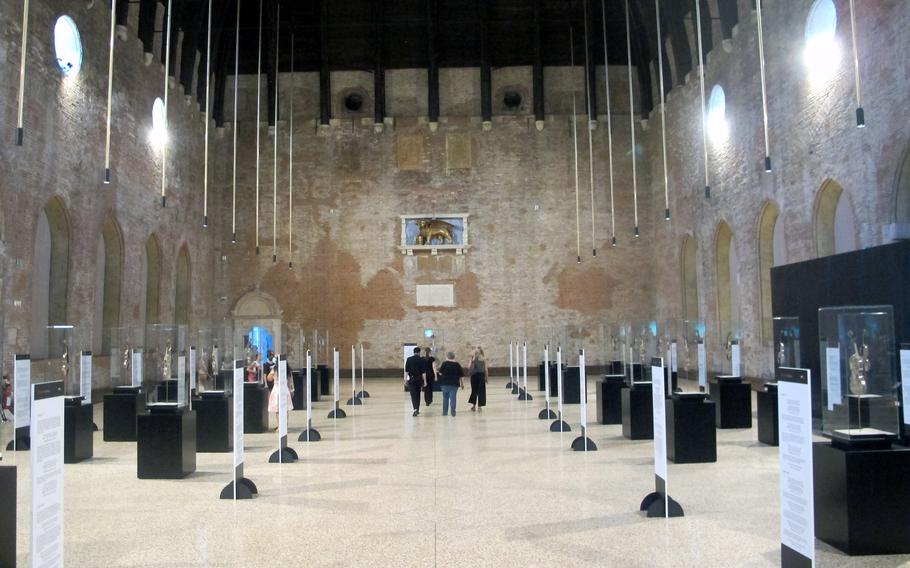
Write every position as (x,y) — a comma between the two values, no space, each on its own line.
(822,53)
(158,134)
(718,128)
(67,46)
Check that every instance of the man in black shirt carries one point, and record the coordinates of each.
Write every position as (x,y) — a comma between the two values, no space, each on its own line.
(414,368)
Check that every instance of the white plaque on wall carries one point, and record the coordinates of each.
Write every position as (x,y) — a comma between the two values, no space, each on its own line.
(439,295)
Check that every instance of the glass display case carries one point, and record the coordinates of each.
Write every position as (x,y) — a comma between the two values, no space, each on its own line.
(62,363)
(785,342)
(733,346)
(858,374)
(164,343)
(124,341)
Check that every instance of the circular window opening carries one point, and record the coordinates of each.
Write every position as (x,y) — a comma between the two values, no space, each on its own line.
(822,53)
(717,115)
(67,46)
(159,123)
(353,102)
(511,99)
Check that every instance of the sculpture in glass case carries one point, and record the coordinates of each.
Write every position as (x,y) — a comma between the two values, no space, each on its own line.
(166,360)
(859,365)
(125,363)
(65,358)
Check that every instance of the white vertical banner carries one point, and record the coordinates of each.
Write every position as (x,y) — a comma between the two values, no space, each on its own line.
(336,363)
(46,433)
(283,393)
(85,377)
(702,366)
(905,382)
(136,368)
(736,361)
(658,406)
(309,389)
(583,391)
(546,374)
(22,385)
(797,493)
(194,371)
(511,364)
(238,419)
(674,357)
(559,380)
(832,374)
(181,380)
(362,374)
(524,363)
(353,374)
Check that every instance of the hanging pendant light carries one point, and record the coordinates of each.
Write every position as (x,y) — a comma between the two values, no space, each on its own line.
(291,162)
(20,129)
(275,144)
(258,111)
(663,111)
(701,79)
(575,145)
(603,10)
(110,84)
(208,70)
(636,233)
(588,90)
(860,113)
(167,69)
(234,168)
(764,91)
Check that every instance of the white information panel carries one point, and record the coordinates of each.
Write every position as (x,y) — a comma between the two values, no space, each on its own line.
(674,362)
(735,357)
(22,381)
(832,372)
(559,381)
(582,391)
(194,372)
(46,432)
(136,368)
(546,374)
(181,380)
(511,364)
(353,374)
(658,399)
(284,393)
(702,366)
(85,377)
(797,508)
(336,385)
(238,415)
(309,389)
(524,365)
(905,382)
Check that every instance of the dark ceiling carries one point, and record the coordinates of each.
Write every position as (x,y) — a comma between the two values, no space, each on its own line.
(374,35)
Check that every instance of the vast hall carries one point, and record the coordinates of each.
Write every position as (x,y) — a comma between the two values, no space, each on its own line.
(455,283)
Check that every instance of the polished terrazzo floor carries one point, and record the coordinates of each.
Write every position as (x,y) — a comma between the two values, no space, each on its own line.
(385,489)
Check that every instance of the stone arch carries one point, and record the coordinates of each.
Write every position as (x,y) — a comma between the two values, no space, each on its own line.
(257,308)
(108,283)
(835,225)
(152,280)
(769,234)
(689,272)
(724,262)
(183,290)
(901,210)
(50,275)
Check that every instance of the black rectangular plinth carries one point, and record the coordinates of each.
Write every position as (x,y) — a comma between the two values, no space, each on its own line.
(214,424)
(862,500)
(609,399)
(325,379)
(78,442)
(298,397)
(554,382)
(255,408)
(8,515)
(166,444)
(120,410)
(637,412)
(766,400)
(167,390)
(691,436)
(734,402)
(571,392)
(542,379)
(634,372)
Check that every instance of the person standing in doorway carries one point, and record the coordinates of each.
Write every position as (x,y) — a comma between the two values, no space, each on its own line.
(430,371)
(414,369)
(478,371)
(451,377)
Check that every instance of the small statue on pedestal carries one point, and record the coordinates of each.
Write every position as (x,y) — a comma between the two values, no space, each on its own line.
(65,357)
(166,361)
(859,365)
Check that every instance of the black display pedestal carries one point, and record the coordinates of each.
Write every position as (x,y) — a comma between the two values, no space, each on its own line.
(224,378)
(542,379)
(167,391)
(615,367)
(571,394)
(77,430)
(324,379)
(166,442)
(22,443)
(8,515)
(255,408)
(214,422)
(298,397)
(609,399)
(691,436)
(554,384)
(637,412)
(862,500)
(767,415)
(734,402)
(120,410)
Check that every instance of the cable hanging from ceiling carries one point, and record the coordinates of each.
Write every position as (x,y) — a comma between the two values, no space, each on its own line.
(275,143)
(167,70)
(764,91)
(575,145)
(588,89)
(256,122)
(291,161)
(208,76)
(603,10)
(860,113)
(663,111)
(234,168)
(632,121)
(110,85)
(20,129)
(701,80)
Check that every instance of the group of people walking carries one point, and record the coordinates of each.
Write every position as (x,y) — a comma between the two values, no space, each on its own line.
(423,373)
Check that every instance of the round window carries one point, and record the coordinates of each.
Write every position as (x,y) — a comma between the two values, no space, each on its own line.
(717,115)
(511,99)
(353,102)
(67,46)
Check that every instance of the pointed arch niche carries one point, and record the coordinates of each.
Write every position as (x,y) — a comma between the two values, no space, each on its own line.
(900,228)
(257,309)
(772,252)
(689,280)
(108,284)
(152,280)
(727,280)
(183,291)
(835,224)
(50,276)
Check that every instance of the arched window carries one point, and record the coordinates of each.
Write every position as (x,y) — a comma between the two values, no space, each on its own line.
(689,280)
(835,225)
(902,192)
(108,277)
(50,276)
(152,280)
(716,122)
(822,52)
(771,252)
(725,261)
(183,290)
